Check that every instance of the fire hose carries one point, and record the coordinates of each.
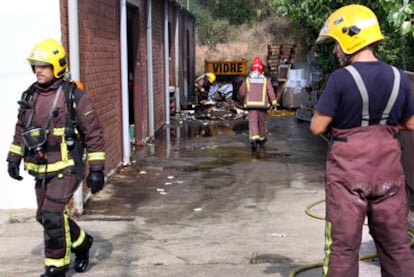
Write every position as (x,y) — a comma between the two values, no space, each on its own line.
(309,212)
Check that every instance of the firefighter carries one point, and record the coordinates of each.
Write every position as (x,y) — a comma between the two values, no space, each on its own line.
(202,85)
(365,104)
(52,149)
(283,75)
(286,59)
(257,95)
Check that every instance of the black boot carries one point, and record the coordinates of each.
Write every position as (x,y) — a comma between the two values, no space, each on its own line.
(82,255)
(254,145)
(52,271)
(262,142)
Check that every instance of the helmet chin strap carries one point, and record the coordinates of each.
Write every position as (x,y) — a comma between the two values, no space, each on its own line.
(347,59)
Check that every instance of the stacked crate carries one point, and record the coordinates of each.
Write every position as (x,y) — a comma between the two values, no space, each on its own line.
(273,59)
(288,49)
(275,53)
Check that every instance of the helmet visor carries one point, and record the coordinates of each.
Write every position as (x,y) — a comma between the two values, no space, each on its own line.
(38,63)
(324,34)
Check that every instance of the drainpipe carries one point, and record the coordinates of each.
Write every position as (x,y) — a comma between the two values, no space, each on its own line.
(177,64)
(124,84)
(193,51)
(150,75)
(185,57)
(73,23)
(166,64)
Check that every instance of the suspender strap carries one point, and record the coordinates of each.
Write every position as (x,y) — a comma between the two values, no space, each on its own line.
(53,107)
(365,98)
(393,96)
(77,149)
(364,94)
(29,122)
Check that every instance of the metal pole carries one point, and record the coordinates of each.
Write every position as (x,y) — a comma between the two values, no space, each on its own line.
(124,84)
(166,64)
(150,73)
(73,25)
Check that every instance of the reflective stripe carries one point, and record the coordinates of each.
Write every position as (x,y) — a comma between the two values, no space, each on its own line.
(328,243)
(200,77)
(61,262)
(260,103)
(16,149)
(80,239)
(364,94)
(96,156)
(61,131)
(64,150)
(88,112)
(365,98)
(55,262)
(280,68)
(393,96)
(67,238)
(48,168)
(256,81)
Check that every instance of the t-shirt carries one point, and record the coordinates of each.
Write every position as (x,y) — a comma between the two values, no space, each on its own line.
(342,100)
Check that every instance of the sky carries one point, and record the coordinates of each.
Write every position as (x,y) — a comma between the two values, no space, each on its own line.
(23,23)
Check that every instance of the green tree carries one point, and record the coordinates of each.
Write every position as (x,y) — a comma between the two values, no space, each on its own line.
(400,15)
(264,9)
(218,21)
(236,12)
(395,17)
(210,30)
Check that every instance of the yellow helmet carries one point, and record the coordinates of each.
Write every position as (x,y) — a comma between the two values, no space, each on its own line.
(211,77)
(353,27)
(49,52)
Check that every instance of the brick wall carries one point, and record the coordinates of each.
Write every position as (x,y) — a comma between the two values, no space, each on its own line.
(158,62)
(140,70)
(100,66)
(141,64)
(186,25)
(100,71)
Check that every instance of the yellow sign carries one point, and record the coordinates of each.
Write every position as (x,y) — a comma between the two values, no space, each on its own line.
(226,67)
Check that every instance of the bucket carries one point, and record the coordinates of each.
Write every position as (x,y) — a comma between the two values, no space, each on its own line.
(293,97)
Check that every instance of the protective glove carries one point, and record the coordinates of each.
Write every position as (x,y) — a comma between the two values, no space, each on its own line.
(13,169)
(95,180)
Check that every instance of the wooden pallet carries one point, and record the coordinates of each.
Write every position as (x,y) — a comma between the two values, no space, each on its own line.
(274,49)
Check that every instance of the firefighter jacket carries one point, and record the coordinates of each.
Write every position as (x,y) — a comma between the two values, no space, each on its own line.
(283,72)
(256,92)
(47,110)
(201,84)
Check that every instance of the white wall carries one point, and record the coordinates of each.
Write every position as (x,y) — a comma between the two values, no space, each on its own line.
(23,23)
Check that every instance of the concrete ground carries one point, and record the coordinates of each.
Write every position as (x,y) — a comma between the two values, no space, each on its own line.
(199,203)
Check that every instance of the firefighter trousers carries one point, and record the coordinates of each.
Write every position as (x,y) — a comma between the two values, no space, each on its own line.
(61,233)
(366,180)
(257,124)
